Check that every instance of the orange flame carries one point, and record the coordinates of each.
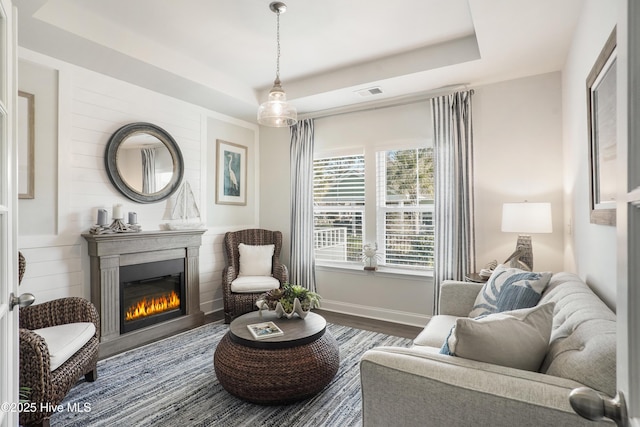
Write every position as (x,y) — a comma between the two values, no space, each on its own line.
(149,306)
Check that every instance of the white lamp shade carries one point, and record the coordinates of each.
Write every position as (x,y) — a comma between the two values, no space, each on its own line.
(526,218)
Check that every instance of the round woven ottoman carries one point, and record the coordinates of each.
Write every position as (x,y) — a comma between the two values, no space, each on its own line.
(281,369)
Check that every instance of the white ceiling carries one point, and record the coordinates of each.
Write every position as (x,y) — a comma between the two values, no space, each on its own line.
(221,54)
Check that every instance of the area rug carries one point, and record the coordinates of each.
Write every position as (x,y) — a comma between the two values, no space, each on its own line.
(172,383)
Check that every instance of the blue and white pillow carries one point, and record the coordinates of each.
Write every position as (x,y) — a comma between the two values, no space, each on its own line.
(510,289)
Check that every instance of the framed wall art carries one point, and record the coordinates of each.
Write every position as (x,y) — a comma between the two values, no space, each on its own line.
(602,127)
(231,173)
(26,145)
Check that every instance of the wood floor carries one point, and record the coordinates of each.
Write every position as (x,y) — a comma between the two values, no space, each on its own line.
(388,328)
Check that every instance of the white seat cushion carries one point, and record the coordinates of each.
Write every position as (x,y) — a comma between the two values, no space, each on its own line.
(65,340)
(252,284)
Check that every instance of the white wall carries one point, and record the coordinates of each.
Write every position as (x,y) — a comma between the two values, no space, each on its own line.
(275,190)
(90,107)
(42,83)
(590,249)
(517,129)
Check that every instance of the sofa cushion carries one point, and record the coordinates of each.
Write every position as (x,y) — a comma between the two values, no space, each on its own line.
(509,289)
(583,337)
(63,341)
(253,284)
(255,260)
(517,339)
(436,331)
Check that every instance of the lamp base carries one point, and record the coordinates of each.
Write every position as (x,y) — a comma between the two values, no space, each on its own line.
(523,256)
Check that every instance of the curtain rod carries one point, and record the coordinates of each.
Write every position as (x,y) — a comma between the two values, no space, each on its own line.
(387,103)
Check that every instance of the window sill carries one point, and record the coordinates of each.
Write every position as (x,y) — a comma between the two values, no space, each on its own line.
(381,271)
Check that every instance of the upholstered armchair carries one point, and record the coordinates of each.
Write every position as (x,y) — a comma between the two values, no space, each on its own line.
(59,343)
(253,267)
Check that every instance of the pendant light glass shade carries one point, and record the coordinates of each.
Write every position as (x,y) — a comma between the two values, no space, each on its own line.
(277,112)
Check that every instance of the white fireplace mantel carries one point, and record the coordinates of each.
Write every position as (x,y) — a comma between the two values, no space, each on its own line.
(108,252)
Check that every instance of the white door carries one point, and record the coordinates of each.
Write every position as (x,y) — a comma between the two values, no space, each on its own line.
(8,209)
(628,208)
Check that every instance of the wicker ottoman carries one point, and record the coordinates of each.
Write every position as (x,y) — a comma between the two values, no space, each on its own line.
(281,369)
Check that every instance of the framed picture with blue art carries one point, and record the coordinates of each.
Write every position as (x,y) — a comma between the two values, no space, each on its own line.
(231,175)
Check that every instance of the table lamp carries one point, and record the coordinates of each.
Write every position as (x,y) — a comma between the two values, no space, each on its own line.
(525,218)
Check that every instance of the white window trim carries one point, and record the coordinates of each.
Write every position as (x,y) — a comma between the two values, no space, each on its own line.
(381,271)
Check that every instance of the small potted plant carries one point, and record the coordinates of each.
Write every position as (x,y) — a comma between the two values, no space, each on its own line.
(24,394)
(288,300)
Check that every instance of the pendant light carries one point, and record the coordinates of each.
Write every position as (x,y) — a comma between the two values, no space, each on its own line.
(277,112)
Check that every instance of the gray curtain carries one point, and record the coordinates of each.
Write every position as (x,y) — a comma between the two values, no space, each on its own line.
(148,170)
(454,252)
(302,259)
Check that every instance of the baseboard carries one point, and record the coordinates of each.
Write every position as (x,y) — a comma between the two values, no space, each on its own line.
(214,317)
(377,313)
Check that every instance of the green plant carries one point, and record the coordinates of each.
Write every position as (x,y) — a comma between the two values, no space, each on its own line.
(24,394)
(287,293)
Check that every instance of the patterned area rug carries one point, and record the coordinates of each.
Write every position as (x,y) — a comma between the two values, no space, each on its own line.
(172,383)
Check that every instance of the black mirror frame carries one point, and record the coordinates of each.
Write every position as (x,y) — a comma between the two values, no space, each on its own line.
(111,164)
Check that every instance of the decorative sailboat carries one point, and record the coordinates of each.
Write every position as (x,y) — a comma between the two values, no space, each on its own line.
(184,214)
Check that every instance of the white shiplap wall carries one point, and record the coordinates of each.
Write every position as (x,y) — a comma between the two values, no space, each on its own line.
(91,107)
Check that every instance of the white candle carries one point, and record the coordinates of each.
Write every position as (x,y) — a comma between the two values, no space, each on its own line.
(117,212)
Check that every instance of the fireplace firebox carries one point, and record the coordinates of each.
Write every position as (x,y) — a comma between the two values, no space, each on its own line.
(151,293)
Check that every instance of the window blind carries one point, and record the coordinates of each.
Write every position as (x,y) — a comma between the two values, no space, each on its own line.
(339,198)
(405,207)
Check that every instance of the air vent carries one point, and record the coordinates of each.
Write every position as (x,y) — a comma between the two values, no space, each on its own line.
(369,91)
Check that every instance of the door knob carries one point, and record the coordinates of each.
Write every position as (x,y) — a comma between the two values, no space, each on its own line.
(589,404)
(24,300)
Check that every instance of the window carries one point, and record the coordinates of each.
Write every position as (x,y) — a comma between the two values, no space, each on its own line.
(338,213)
(400,204)
(405,207)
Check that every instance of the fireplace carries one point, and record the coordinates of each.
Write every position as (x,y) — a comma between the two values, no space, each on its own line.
(145,285)
(151,293)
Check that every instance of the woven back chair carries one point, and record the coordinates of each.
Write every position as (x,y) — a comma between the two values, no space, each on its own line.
(46,388)
(236,304)
(22,266)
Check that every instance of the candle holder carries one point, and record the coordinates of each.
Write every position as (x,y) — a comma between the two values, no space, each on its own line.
(100,229)
(117,226)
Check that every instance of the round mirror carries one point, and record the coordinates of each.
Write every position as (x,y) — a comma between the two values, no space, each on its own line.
(144,162)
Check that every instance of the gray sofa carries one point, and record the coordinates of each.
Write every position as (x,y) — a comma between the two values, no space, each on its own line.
(417,386)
